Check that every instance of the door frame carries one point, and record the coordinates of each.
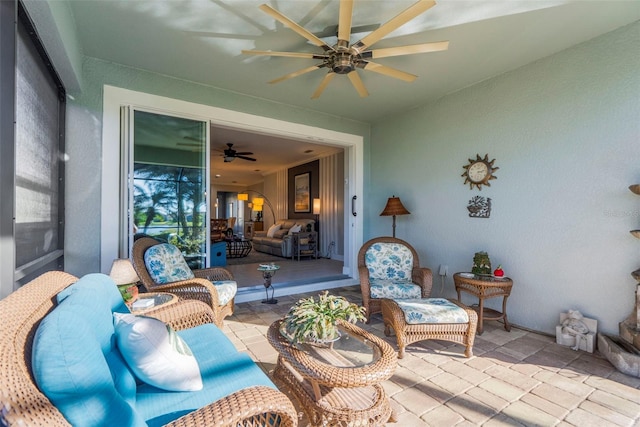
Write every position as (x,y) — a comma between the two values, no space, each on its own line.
(111,203)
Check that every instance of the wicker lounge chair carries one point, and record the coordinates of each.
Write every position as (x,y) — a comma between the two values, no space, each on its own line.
(199,288)
(390,276)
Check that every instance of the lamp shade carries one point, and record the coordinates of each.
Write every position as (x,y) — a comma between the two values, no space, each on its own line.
(243,196)
(394,207)
(123,273)
(258,201)
(316,206)
(257,208)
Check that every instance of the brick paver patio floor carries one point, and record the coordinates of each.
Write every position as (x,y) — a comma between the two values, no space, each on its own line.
(516,378)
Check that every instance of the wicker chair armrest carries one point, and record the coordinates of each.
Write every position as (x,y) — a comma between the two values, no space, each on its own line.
(213,273)
(196,289)
(253,406)
(184,314)
(363,273)
(424,278)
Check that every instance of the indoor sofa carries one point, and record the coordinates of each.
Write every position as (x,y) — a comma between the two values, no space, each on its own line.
(64,363)
(279,242)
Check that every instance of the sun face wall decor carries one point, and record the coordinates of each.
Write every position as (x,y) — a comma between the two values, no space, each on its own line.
(479,172)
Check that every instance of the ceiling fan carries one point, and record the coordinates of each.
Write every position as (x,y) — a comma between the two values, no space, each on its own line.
(343,58)
(230,154)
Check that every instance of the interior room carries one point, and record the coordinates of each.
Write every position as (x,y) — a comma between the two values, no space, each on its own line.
(290,148)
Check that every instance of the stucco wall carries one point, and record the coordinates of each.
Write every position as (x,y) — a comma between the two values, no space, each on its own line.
(565,133)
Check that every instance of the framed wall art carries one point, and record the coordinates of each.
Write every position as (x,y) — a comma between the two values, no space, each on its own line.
(302,193)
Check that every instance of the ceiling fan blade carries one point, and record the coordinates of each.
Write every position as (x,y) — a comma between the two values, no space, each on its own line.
(394,23)
(243,153)
(344,22)
(251,159)
(332,30)
(406,50)
(294,26)
(297,73)
(323,85)
(387,71)
(356,81)
(287,54)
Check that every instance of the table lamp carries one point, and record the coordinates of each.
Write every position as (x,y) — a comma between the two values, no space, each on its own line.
(394,207)
(126,278)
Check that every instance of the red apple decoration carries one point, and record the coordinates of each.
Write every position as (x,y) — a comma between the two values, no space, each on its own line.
(498,272)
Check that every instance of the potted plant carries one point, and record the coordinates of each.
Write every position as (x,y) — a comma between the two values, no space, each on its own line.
(311,320)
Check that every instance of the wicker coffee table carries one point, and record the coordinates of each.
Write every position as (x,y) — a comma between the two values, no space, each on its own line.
(337,384)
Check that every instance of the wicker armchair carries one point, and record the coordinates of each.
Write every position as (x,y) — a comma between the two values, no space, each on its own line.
(384,287)
(199,288)
(23,404)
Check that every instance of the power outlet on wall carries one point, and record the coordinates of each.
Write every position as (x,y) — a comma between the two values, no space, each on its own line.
(444,270)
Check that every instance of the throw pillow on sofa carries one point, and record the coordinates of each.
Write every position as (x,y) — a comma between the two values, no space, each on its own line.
(295,229)
(156,354)
(272,230)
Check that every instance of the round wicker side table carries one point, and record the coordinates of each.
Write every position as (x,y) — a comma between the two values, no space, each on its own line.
(337,384)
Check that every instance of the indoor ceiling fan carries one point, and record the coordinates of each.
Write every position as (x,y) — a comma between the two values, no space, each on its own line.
(343,58)
(230,154)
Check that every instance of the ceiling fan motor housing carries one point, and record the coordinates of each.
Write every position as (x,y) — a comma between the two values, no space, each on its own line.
(343,60)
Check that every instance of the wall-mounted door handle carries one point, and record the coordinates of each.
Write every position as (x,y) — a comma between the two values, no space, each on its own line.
(353,206)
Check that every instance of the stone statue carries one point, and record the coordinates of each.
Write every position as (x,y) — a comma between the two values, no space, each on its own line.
(573,325)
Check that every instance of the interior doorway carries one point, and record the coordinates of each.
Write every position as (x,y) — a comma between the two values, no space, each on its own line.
(268,169)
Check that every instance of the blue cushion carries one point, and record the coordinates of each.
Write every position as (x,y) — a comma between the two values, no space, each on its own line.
(432,310)
(103,289)
(224,371)
(166,264)
(389,261)
(71,369)
(392,289)
(227,289)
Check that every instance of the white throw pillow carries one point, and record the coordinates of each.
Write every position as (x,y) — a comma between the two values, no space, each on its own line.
(295,229)
(156,354)
(272,230)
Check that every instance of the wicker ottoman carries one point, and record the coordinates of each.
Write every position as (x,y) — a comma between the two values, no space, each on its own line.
(431,318)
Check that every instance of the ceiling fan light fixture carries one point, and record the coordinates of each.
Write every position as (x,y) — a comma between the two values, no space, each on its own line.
(229,159)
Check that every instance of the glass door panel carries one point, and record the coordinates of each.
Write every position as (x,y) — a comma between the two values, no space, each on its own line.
(170,181)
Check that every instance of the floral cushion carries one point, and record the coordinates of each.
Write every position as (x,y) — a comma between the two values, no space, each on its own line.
(166,264)
(432,310)
(389,261)
(226,290)
(393,289)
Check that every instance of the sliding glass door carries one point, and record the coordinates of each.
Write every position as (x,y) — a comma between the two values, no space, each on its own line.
(169,199)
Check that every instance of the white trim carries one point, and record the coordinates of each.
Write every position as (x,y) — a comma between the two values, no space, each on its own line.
(115,97)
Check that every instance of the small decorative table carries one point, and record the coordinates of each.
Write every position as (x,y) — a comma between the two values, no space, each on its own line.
(160,299)
(338,384)
(485,287)
(268,271)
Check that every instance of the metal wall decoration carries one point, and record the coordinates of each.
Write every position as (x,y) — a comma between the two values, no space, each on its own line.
(479,207)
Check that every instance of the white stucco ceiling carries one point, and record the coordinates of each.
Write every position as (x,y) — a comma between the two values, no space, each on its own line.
(201,40)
